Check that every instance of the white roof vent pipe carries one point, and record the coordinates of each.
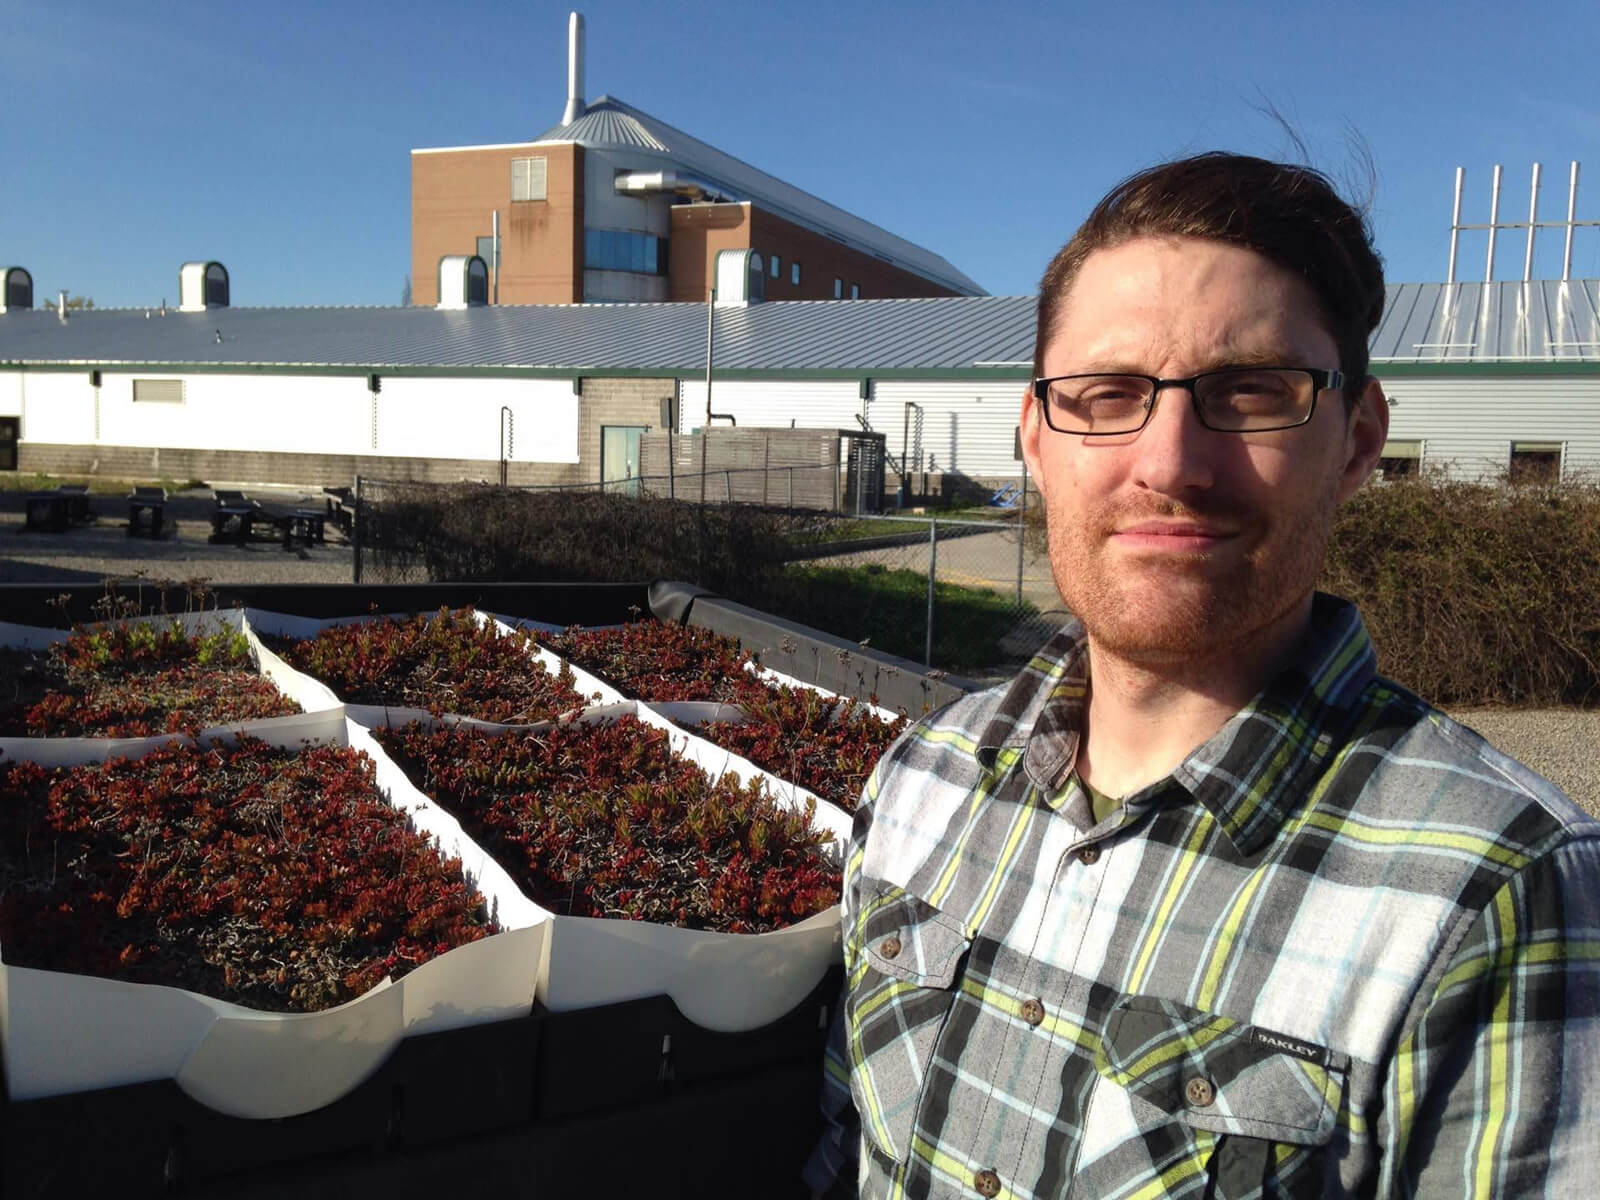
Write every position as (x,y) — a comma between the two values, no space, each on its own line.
(740,278)
(202,285)
(16,289)
(463,282)
(636,183)
(575,105)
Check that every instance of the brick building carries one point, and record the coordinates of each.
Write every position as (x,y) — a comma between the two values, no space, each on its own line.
(613,204)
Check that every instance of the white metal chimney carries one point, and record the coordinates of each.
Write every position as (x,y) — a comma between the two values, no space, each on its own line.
(574,108)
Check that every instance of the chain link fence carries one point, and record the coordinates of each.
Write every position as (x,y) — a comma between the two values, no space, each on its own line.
(966,594)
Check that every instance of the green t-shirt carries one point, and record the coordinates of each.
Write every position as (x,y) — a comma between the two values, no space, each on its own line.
(1102,804)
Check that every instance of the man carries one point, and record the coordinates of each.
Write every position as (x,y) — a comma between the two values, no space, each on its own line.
(1200,905)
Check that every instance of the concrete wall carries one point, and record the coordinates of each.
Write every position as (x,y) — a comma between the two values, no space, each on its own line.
(617,402)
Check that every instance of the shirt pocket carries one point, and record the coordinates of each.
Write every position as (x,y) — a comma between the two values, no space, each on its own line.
(904,958)
(1249,1107)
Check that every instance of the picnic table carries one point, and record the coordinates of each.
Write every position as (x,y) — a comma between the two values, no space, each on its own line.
(237,518)
(341,508)
(147,508)
(58,508)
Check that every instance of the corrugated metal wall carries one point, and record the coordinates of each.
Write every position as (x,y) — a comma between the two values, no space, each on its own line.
(807,404)
(966,427)
(1470,424)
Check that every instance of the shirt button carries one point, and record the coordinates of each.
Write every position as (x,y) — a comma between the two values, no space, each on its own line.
(1032,1012)
(987,1183)
(1089,855)
(1199,1092)
(889,947)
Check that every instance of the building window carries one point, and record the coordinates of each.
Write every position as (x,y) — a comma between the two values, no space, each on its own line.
(794,273)
(158,391)
(838,288)
(618,250)
(527,179)
(855,291)
(1400,460)
(777,266)
(1535,462)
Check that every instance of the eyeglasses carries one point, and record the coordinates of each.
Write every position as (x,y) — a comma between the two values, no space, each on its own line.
(1232,400)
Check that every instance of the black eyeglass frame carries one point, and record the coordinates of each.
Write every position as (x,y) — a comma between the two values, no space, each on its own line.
(1322,379)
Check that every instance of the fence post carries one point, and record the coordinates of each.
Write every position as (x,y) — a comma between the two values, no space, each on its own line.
(791,487)
(727,485)
(1022,529)
(355,534)
(933,571)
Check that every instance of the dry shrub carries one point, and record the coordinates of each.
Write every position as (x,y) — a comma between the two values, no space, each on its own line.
(1477,593)
(476,532)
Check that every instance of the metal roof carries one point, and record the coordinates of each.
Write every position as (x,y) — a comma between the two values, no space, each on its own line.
(612,123)
(1501,322)
(607,122)
(1424,324)
(830,335)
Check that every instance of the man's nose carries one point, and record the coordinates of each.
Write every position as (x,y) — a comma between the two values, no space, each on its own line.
(1174,453)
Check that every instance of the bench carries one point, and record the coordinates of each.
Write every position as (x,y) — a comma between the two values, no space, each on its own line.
(147,509)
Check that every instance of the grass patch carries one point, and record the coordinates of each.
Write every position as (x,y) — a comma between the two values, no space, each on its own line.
(889,609)
(99,485)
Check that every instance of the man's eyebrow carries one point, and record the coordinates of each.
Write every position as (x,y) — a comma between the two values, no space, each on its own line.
(1220,361)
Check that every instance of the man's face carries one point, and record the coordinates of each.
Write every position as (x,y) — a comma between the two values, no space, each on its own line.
(1179,541)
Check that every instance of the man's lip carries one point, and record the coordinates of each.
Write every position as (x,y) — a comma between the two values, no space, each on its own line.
(1171,529)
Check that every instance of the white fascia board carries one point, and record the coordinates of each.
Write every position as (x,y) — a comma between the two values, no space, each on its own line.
(465,149)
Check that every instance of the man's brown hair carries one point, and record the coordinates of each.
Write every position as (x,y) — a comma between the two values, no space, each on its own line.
(1290,214)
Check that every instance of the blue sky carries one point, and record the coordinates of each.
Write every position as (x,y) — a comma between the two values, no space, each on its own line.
(275,137)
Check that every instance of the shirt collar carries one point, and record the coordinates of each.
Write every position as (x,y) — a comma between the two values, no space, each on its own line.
(1252,773)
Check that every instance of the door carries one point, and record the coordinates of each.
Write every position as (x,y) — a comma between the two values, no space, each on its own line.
(619,458)
(10,429)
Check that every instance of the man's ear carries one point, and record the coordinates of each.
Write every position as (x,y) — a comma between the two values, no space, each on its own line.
(1366,431)
(1031,421)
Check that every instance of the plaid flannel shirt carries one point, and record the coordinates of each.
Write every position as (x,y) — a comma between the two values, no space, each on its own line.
(1345,948)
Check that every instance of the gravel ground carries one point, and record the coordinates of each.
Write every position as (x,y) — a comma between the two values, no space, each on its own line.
(103,549)
(1558,743)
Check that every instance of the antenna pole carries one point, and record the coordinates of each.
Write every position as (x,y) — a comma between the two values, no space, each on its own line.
(1455,224)
(1533,225)
(1494,222)
(1572,220)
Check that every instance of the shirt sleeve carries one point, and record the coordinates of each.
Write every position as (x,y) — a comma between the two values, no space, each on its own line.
(1496,1092)
(834,1163)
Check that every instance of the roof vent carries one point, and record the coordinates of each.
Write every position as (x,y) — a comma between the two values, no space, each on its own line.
(16,289)
(463,281)
(574,108)
(202,285)
(740,278)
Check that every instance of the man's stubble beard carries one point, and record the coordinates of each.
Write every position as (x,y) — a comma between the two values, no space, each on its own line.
(1197,616)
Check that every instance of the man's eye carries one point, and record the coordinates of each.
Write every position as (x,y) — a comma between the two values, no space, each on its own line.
(1102,396)
(1256,392)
